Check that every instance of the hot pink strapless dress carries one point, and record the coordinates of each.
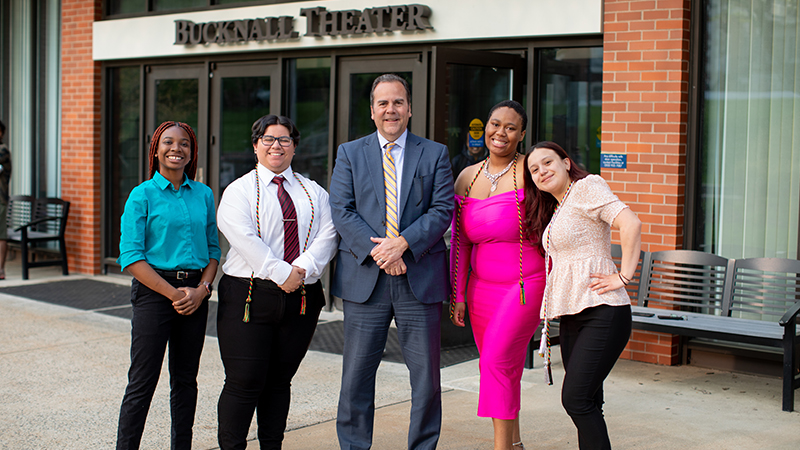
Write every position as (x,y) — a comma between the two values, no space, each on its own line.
(489,281)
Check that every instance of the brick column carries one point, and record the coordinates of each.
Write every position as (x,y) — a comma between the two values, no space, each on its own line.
(645,93)
(80,134)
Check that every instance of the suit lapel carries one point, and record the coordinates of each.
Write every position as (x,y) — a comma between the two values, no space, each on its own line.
(372,154)
(413,152)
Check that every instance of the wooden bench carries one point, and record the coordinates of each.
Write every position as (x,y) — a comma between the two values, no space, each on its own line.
(696,294)
(33,221)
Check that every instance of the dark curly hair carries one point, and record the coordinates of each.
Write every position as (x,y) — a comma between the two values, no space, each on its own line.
(191,169)
(539,205)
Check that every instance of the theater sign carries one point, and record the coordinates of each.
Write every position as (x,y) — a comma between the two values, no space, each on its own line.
(339,23)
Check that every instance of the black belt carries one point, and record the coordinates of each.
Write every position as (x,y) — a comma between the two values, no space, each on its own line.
(179,274)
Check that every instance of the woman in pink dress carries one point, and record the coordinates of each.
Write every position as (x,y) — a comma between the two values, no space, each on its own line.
(496,270)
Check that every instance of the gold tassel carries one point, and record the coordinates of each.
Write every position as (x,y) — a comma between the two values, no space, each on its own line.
(521,292)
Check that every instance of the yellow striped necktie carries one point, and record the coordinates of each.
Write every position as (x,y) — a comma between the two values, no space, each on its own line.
(390,187)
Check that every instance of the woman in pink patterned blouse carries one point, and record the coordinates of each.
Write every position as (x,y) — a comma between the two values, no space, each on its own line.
(573,212)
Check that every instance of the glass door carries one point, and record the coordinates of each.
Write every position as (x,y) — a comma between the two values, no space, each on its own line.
(240,94)
(177,93)
(355,83)
(123,167)
(466,84)
(570,101)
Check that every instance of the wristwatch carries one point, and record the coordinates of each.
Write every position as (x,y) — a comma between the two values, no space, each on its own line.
(208,286)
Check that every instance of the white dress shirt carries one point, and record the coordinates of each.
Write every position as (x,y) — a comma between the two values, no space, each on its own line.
(236,219)
(398,154)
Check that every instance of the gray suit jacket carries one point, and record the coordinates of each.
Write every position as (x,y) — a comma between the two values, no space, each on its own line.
(358,208)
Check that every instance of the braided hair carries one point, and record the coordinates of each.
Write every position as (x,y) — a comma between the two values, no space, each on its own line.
(191,169)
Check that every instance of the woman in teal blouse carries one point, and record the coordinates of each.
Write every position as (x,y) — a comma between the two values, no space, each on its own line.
(169,243)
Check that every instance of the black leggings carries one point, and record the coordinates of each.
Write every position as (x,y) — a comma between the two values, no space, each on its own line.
(591,342)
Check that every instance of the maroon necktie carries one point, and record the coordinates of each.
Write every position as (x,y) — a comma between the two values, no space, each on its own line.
(291,240)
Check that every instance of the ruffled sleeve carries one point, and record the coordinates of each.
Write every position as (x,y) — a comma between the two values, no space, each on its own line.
(593,196)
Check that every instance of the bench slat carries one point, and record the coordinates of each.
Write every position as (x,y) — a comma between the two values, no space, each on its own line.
(731,327)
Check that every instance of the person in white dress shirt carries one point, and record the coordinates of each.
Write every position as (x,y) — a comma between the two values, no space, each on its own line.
(270,296)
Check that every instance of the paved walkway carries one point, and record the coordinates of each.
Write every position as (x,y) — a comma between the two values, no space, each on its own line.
(63,372)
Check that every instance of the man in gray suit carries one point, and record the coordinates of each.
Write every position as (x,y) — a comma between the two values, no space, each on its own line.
(392,263)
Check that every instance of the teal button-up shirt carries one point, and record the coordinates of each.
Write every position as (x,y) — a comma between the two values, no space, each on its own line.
(169,229)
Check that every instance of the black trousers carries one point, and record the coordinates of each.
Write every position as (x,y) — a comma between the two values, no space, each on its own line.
(261,357)
(591,342)
(155,324)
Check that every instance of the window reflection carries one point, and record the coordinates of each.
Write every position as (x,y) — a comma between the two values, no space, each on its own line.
(123,144)
(570,103)
(177,100)
(168,5)
(308,105)
(473,91)
(244,100)
(116,7)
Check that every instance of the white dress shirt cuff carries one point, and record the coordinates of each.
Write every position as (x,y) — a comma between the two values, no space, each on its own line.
(280,273)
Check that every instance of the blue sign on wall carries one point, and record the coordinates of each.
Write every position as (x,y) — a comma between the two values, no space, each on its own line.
(613,161)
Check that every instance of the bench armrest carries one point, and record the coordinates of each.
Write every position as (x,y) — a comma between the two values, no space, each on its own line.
(37,221)
(790,314)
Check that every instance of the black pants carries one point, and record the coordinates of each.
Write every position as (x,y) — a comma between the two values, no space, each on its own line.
(155,323)
(591,342)
(261,357)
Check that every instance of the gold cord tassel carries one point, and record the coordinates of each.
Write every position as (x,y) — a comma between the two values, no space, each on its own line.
(521,292)
(303,299)
(247,302)
(246,312)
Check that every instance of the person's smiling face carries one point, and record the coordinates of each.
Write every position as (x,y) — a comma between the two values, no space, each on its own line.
(174,150)
(275,157)
(390,109)
(549,172)
(503,131)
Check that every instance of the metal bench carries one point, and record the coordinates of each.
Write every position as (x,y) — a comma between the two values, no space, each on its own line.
(696,294)
(34,221)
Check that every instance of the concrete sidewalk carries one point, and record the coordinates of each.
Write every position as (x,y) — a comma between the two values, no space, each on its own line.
(63,372)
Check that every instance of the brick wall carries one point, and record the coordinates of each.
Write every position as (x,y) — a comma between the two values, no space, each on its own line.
(80,134)
(645,94)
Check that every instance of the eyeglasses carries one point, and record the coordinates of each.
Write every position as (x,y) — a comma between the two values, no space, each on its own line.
(284,141)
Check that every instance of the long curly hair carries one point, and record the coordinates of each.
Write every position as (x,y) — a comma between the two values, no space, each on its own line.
(540,205)
(191,169)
